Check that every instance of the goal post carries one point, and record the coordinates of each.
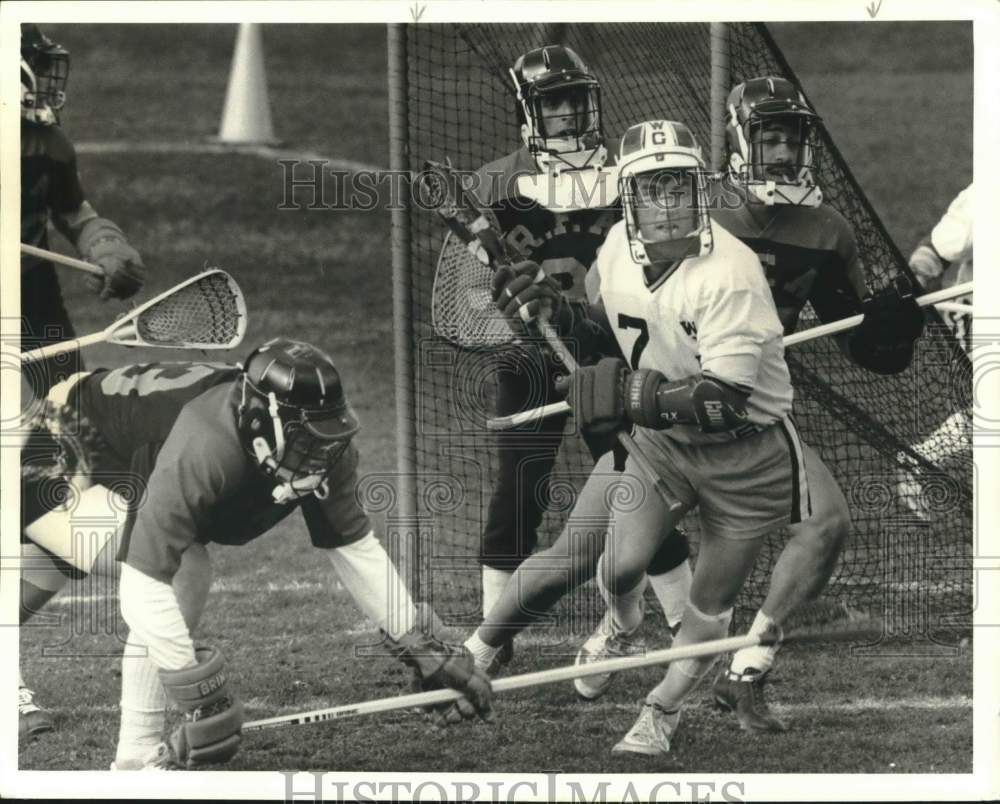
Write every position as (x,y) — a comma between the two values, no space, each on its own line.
(873,432)
(721,84)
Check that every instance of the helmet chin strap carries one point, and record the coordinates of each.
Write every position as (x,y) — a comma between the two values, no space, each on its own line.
(287,490)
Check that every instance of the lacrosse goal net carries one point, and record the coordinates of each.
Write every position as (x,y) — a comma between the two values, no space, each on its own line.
(450,96)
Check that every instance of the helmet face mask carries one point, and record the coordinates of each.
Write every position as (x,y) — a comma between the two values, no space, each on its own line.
(773,138)
(559,103)
(664,191)
(44,75)
(293,417)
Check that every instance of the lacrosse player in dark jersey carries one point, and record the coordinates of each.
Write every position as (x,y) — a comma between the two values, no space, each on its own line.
(51,191)
(554,201)
(219,453)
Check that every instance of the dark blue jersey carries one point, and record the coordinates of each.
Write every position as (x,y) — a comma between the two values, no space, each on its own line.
(809,254)
(176,453)
(564,243)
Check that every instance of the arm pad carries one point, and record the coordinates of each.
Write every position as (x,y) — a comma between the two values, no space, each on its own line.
(713,406)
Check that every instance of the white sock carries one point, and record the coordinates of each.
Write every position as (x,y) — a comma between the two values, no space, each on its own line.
(672,589)
(494,582)
(683,675)
(760,658)
(481,652)
(143,702)
(626,608)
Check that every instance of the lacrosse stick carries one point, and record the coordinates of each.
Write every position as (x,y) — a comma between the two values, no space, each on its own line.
(827,623)
(447,194)
(954,307)
(62,259)
(206,311)
(834,327)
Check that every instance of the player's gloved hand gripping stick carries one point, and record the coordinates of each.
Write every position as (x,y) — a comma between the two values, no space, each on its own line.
(447,195)
(833,328)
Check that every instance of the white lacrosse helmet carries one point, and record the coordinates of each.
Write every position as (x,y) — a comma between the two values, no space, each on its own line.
(664,191)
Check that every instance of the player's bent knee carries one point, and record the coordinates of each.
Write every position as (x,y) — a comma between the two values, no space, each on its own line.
(671,554)
(78,535)
(41,570)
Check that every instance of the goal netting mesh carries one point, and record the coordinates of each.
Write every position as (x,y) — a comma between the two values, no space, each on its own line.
(895,444)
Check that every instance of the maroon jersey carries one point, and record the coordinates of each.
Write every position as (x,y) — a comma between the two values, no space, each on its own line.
(565,244)
(172,430)
(49,183)
(809,254)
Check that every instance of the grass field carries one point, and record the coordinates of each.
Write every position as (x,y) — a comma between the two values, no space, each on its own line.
(325,276)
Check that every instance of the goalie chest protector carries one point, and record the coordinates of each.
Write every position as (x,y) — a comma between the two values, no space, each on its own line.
(565,240)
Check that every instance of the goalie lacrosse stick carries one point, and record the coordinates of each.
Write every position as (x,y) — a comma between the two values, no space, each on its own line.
(834,327)
(62,259)
(825,623)
(447,194)
(206,311)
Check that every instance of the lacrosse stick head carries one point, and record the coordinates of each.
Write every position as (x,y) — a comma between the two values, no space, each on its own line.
(207,311)
(293,416)
(462,310)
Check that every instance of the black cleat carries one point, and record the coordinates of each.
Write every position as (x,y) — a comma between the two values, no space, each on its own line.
(744,695)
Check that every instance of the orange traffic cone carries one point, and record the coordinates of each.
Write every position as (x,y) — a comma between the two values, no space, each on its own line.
(246,119)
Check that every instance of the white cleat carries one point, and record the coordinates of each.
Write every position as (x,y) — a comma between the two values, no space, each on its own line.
(604,643)
(160,758)
(651,733)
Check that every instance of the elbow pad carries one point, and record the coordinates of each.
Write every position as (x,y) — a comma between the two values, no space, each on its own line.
(711,405)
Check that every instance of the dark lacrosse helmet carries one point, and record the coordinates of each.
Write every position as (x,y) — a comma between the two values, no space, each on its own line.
(293,417)
(559,108)
(772,134)
(44,74)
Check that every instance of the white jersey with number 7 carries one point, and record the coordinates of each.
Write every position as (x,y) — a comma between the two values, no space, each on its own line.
(714,314)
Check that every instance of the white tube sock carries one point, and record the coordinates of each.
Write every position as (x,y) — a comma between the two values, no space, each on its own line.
(683,675)
(481,652)
(143,702)
(760,658)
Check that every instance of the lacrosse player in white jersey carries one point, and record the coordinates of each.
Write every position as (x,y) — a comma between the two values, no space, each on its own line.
(709,392)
